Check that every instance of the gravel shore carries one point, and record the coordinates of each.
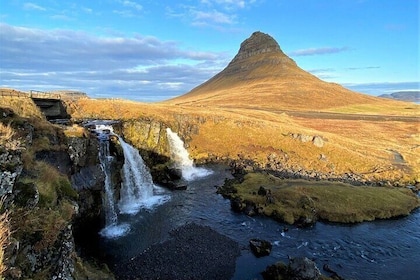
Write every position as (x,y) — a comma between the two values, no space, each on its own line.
(192,252)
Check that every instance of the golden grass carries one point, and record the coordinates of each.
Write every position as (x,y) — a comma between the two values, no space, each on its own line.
(352,146)
(7,137)
(331,201)
(4,237)
(22,106)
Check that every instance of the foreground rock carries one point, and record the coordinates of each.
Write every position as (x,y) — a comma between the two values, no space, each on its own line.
(193,252)
(297,269)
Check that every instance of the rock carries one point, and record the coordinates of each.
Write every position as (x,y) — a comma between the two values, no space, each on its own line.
(318,141)
(277,271)
(250,209)
(303,269)
(59,159)
(236,204)
(262,191)
(260,247)
(297,269)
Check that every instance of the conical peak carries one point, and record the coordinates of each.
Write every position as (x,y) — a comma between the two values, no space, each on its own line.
(258,43)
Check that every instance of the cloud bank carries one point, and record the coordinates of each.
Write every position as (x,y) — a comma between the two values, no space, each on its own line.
(137,67)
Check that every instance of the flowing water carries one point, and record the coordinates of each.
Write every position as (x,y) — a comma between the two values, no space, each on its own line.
(181,158)
(388,249)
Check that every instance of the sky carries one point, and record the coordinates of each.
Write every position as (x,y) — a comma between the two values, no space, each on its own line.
(147,50)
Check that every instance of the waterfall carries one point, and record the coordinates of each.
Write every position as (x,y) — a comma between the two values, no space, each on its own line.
(106,159)
(137,188)
(112,228)
(182,159)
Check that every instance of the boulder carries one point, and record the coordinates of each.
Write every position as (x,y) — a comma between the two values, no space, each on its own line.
(260,248)
(303,269)
(300,268)
(318,141)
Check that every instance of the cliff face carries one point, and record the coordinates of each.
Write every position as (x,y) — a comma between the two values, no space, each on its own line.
(39,164)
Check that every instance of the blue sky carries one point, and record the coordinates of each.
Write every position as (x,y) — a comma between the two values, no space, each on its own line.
(150,50)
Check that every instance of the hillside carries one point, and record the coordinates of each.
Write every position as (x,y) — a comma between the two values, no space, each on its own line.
(411,96)
(262,76)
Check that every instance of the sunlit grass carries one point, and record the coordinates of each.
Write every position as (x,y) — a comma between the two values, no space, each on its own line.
(331,201)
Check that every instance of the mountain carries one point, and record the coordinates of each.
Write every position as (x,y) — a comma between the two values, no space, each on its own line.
(411,96)
(262,75)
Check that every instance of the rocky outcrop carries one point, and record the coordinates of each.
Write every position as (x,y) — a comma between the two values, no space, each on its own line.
(316,140)
(10,166)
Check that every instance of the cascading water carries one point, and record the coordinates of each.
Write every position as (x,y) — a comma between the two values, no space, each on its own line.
(112,228)
(137,190)
(137,187)
(182,160)
(106,159)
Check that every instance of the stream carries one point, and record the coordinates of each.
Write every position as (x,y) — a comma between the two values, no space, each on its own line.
(386,249)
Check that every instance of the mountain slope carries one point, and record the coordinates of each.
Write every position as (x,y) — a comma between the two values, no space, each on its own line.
(262,76)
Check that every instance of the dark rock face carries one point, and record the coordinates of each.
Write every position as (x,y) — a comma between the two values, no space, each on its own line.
(258,43)
(193,252)
(59,159)
(260,248)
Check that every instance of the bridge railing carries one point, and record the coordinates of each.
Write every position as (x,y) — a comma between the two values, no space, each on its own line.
(13,93)
(30,94)
(42,94)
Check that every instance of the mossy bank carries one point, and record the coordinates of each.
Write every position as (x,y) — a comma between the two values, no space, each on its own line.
(304,202)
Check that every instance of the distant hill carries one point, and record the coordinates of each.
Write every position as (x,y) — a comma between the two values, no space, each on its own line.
(411,96)
(262,76)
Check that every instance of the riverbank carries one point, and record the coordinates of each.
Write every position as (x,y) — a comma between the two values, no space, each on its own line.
(304,202)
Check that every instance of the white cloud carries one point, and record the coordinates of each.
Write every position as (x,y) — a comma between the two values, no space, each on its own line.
(318,51)
(201,17)
(33,7)
(132,4)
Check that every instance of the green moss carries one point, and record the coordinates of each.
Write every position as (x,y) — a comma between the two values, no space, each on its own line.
(64,189)
(330,201)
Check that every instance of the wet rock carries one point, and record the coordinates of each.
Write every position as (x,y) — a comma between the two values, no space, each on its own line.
(297,269)
(260,247)
(236,204)
(88,178)
(303,269)
(277,271)
(167,177)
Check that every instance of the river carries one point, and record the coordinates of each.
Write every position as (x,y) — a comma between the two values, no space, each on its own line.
(387,249)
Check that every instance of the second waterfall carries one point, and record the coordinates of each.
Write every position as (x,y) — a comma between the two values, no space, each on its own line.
(182,159)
